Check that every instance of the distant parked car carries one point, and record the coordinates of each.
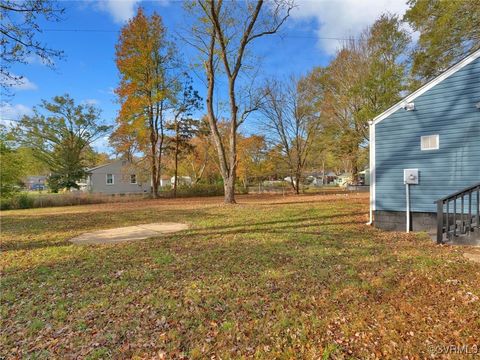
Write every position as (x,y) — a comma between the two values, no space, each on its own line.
(38,187)
(36,182)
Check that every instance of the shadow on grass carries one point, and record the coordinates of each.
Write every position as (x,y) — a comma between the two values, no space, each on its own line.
(247,283)
(299,202)
(53,230)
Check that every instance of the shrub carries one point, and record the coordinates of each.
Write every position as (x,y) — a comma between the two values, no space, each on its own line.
(19,201)
(240,189)
(24,201)
(195,190)
(5,203)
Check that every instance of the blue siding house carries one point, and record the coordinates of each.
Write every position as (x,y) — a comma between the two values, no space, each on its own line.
(436,132)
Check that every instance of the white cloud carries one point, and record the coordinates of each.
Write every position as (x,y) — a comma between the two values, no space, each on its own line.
(91,102)
(344,18)
(23,83)
(120,10)
(109,91)
(10,113)
(102,144)
(123,10)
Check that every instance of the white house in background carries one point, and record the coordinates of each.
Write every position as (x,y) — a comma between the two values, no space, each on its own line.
(165,181)
(315,180)
(319,178)
(182,181)
(289,180)
(343,179)
(117,177)
(82,186)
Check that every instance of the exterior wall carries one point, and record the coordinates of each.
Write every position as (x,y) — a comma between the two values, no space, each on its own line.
(396,221)
(182,180)
(165,182)
(97,182)
(447,109)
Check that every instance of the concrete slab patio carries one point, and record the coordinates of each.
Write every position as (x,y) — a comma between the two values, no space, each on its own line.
(128,233)
(473,255)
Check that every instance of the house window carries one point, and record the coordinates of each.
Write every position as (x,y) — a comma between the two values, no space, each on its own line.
(133,179)
(430,142)
(109,179)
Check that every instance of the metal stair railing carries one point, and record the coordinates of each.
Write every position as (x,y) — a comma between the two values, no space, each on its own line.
(454,220)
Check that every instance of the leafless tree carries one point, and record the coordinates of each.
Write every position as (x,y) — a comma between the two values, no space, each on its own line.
(223,33)
(291,122)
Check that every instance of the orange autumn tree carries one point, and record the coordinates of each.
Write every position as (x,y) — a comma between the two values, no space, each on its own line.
(148,85)
(252,162)
(199,163)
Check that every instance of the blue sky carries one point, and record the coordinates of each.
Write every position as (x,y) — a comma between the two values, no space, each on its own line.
(89,31)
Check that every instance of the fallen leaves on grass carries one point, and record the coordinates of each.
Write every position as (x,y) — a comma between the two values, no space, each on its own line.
(294,277)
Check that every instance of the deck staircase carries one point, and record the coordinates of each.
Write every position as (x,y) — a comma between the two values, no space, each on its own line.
(458,217)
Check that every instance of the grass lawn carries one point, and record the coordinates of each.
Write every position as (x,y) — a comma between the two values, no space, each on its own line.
(272,277)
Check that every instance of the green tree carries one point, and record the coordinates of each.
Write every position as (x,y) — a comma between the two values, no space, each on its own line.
(449,30)
(94,158)
(16,162)
(385,49)
(60,134)
(183,125)
(12,167)
(31,164)
(365,78)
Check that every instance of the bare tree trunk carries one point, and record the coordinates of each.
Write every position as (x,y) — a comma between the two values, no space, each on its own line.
(155,180)
(199,176)
(229,187)
(292,183)
(228,184)
(154,170)
(176,160)
(155,186)
(232,67)
(232,174)
(323,172)
(155,146)
(245,181)
(355,176)
(298,176)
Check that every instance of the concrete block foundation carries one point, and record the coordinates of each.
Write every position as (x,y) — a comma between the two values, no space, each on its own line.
(396,221)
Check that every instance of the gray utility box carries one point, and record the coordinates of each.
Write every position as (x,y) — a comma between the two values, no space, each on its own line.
(410,176)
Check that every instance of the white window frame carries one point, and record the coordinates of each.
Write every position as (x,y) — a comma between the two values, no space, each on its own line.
(133,183)
(106,179)
(425,138)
